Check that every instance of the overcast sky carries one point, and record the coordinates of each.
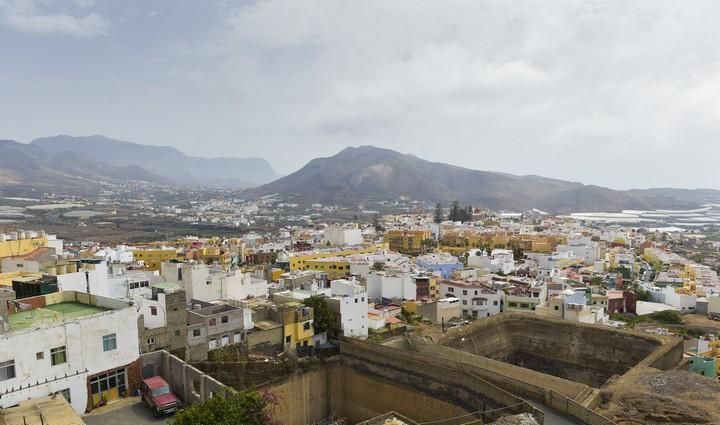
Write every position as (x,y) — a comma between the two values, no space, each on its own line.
(616,93)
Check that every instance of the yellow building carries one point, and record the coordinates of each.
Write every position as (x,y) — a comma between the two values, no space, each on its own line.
(297,320)
(153,258)
(7,278)
(213,255)
(335,267)
(19,247)
(298,260)
(408,242)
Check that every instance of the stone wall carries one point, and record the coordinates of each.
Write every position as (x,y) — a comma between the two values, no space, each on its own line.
(583,353)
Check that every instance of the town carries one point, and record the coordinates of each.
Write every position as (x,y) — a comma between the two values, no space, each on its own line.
(545,315)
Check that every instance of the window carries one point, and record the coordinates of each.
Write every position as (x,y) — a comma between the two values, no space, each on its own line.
(524,305)
(451,289)
(213,322)
(212,344)
(151,340)
(237,338)
(106,381)
(58,356)
(7,370)
(196,332)
(306,326)
(464,302)
(179,273)
(495,302)
(287,339)
(356,300)
(557,308)
(224,319)
(464,291)
(476,292)
(225,340)
(362,299)
(512,304)
(177,333)
(40,355)
(153,310)
(109,342)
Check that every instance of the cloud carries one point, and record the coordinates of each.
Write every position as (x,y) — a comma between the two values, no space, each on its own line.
(534,85)
(32,17)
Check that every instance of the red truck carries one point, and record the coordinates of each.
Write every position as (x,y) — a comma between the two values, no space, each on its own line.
(156,394)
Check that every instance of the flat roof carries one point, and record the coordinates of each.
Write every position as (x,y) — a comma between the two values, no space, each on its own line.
(54,313)
(264,325)
(165,285)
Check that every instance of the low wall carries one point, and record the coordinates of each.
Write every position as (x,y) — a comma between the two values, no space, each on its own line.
(441,379)
(579,352)
(189,383)
(505,375)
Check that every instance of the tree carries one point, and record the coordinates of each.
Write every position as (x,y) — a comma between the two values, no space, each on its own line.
(438,214)
(454,211)
(597,281)
(376,224)
(322,316)
(378,266)
(248,406)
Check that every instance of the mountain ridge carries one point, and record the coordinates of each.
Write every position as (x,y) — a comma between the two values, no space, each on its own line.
(165,161)
(368,172)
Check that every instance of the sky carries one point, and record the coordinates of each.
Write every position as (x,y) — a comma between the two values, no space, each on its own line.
(615,93)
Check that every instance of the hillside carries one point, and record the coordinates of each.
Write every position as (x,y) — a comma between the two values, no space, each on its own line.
(167,162)
(368,172)
(27,166)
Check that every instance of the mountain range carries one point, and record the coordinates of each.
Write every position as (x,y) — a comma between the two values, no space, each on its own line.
(30,167)
(164,161)
(367,172)
(77,164)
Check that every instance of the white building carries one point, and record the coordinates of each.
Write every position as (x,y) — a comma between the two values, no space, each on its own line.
(572,305)
(476,300)
(350,300)
(583,248)
(115,281)
(499,260)
(119,254)
(75,342)
(341,235)
(391,285)
(208,283)
(673,297)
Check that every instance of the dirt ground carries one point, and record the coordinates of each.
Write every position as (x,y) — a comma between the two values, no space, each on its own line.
(651,396)
(700,321)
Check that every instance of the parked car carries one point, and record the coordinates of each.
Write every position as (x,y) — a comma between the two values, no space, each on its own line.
(156,394)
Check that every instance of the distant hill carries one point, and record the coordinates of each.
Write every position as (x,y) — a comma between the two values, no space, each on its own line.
(28,166)
(167,162)
(369,172)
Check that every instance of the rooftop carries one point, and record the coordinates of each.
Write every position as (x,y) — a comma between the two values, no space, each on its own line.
(54,313)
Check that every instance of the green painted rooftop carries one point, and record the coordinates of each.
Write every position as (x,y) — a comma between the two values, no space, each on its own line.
(54,313)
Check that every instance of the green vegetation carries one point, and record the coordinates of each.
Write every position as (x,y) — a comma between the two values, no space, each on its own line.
(439,217)
(597,281)
(248,407)
(378,266)
(654,262)
(322,316)
(667,317)
(458,213)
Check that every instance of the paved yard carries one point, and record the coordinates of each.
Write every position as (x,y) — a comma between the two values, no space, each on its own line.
(128,412)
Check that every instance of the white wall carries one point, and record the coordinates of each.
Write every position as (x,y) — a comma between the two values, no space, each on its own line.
(380,285)
(83,339)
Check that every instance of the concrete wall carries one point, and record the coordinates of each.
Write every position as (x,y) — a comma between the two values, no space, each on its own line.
(188,382)
(583,353)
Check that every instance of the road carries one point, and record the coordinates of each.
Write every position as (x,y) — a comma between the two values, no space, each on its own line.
(133,413)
